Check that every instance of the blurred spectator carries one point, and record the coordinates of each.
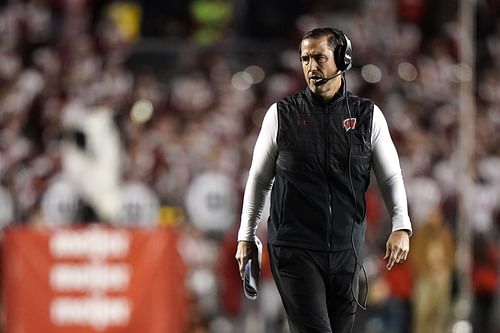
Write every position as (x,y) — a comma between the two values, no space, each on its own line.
(92,159)
(433,261)
(6,208)
(398,306)
(211,18)
(485,282)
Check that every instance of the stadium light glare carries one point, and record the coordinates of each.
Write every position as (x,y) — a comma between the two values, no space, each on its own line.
(407,71)
(257,73)
(242,80)
(371,73)
(142,111)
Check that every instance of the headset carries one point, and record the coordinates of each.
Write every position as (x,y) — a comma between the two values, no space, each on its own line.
(343,51)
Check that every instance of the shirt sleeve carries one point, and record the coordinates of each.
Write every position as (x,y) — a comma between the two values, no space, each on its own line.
(388,173)
(261,175)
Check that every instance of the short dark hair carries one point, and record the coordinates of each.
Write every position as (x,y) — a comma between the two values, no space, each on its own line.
(334,39)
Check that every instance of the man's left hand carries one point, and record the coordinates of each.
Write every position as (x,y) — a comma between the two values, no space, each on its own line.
(397,248)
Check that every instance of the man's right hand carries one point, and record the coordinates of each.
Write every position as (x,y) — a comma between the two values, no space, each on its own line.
(246,250)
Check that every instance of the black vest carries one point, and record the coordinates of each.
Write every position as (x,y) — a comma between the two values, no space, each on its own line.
(312,204)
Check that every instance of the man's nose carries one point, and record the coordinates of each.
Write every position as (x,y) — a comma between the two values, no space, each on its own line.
(313,65)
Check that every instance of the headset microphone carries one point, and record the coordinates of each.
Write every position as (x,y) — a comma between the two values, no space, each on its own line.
(322,81)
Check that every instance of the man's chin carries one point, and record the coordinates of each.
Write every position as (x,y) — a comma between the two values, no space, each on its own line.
(316,89)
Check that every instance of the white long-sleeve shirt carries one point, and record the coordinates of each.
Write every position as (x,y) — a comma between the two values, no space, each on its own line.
(385,163)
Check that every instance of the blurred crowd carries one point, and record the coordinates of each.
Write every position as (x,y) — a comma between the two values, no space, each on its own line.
(139,113)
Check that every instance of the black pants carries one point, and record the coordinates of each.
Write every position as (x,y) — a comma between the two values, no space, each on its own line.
(315,288)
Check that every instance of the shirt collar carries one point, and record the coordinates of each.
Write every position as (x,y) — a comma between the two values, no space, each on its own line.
(318,100)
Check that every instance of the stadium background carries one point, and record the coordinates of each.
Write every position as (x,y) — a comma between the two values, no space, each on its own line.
(144,113)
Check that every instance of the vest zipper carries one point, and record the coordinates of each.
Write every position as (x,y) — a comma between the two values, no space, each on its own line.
(329,233)
(327,168)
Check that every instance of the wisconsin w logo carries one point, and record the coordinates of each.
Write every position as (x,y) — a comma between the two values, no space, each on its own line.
(349,123)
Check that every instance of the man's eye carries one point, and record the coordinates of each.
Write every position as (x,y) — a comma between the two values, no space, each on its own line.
(321,59)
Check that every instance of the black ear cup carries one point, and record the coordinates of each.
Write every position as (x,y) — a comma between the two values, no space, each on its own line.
(343,51)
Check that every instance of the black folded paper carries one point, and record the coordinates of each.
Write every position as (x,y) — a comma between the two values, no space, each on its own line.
(252,274)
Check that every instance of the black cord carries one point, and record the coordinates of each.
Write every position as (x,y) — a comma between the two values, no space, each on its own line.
(356,258)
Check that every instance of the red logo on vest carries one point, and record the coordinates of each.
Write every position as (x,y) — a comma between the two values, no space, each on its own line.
(349,123)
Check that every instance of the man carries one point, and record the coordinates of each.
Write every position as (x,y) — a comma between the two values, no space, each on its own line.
(319,147)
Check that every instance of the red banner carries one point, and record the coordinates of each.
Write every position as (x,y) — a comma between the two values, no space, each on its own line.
(93,279)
